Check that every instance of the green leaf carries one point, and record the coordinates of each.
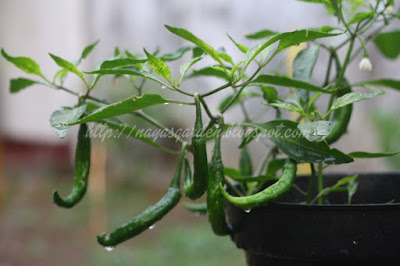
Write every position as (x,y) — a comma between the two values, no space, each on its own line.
(260,34)
(390,83)
(134,71)
(287,82)
(177,54)
(388,43)
(288,39)
(274,166)
(60,119)
(361,16)
(315,131)
(185,34)
(269,93)
(210,71)
(232,173)
(362,154)
(337,187)
(288,138)
(20,83)
(241,47)
(159,66)
(121,62)
(226,58)
(352,187)
(26,64)
(303,67)
(88,49)
(186,66)
(353,97)
(128,105)
(68,65)
(288,107)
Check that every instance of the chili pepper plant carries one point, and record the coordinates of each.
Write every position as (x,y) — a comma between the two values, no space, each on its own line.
(306,138)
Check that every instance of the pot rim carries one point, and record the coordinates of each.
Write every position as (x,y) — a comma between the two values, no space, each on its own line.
(335,206)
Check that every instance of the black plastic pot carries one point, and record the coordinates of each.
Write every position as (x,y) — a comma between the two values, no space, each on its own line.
(367,232)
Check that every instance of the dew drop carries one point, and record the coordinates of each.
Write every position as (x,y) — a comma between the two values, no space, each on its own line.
(247,210)
(152,226)
(355,242)
(197,214)
(165,103)
(163,87)
(110,248)
(180,104)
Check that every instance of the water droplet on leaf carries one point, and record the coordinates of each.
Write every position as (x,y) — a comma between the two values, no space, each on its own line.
(152,226)
(163,87)
(247,210)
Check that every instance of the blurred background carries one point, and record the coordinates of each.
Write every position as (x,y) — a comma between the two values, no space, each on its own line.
(127,175)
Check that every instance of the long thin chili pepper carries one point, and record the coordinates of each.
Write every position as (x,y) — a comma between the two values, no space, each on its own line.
(215,199)
(200,164)
(270,193)
(82,168)
(151,215)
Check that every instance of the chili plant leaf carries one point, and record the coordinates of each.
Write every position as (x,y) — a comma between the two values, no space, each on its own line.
(88,49)
(176,54)
(303,67)
(26,64)
(185,34)
(121,62)
(353,97)
(315,131)
(159,66)
(362,154)
(128,105)
(388,43)
(287,82)
(288,138)
(67,65)
(20,83)
(60,120)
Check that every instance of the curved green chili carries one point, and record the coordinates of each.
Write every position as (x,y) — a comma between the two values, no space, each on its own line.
(341,119)
(196,207)
(271,193)
(215,199)
(82,168)
(150,216)
(200,164)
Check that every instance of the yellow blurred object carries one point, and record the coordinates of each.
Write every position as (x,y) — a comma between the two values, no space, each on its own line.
(304,168)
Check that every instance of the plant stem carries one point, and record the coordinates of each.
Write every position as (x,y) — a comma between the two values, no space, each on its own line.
(320,183)
(311,184)
(216,90)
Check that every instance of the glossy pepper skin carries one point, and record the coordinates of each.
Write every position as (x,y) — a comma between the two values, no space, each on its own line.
(341,119)
(215,199)
(148,217)
(200,164)
(82,169)
(270,193)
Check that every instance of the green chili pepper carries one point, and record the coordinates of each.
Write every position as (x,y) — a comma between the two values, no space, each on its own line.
(245,165)
(82,168)
(188,173)
(271,193)
(199,208)
(200,175)
(150,216)
(341,119)
(215,199)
